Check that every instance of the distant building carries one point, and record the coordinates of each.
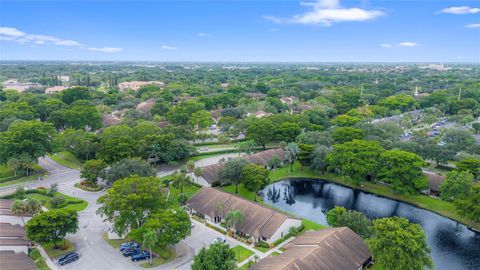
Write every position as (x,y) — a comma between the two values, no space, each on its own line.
(288,100)
(326,249)
(259,114)
(136,85)
(146,106)
(434,182)
(259,224)
(110,120)
(209,176)
(224,85)
(15,84)
(55,89)
(65,80)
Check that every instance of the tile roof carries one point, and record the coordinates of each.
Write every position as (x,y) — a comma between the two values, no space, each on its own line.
(10,260)
(262,158)
(327,249)
(434,180)
(259,221)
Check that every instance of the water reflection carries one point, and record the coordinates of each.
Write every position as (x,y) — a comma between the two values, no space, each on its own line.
(453,245)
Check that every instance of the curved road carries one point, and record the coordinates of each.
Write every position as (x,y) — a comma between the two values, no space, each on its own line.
(95,253)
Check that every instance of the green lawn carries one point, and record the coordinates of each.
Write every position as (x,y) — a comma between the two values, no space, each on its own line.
(241,253)
(20,180)
(189,190)
(275,253)
(8,178)
(309,225)
(5,172)
(242,192)
(262,249)
(71,203)
(63,248)
(66,159)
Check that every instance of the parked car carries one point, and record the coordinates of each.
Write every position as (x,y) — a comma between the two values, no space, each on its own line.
(141,256)
(129,245)
(70,257)
(131,252)
(219,240)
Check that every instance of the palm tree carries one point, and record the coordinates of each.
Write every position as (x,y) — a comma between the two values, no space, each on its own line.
(197,171)
(33,206)
(180,180)
(20,208)
(232,218)
(190,166)
(149,239)
(291,152)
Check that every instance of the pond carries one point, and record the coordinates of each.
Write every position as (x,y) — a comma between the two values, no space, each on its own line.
(453,245)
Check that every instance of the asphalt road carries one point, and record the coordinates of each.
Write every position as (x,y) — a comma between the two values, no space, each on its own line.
(94,251)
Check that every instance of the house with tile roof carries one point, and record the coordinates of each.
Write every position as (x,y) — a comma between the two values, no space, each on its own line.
(259,224)
(326,249)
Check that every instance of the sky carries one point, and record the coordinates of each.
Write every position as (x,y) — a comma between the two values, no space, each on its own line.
(241,31)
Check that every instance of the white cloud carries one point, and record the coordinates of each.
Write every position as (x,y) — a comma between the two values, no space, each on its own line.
(106,49)
(201,34)
(168,47)
(473,25)
(386,45)
(13,34)
(407,44)
(460,10)
(327,12)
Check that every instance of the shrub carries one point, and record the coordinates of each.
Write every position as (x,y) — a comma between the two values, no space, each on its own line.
(19,193)
(182,198)
(57,201)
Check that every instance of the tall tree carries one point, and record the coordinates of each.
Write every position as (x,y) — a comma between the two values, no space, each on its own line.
(403,171)
(125,168)
(131,201)
(261,131)
(291,153)
(356,159)
(357,221)
(231,171)
(305,155)
(471,165)
(217,257)
(255,178)
(32,139)
(181,180)
(399,244)
(52,226)
(456,185)
(165,227)
(91,170)
(469,206)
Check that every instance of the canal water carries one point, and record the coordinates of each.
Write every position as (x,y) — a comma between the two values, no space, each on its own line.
(453,245)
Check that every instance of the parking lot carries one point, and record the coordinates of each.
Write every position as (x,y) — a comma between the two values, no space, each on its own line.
(203,236)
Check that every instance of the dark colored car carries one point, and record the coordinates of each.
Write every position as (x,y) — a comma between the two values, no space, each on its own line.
(70,257)
(141,256)
(131,251)
(129,245)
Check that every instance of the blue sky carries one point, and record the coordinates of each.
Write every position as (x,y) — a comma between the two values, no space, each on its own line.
(273,31)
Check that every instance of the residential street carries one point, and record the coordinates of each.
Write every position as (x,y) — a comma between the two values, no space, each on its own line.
(94,251)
